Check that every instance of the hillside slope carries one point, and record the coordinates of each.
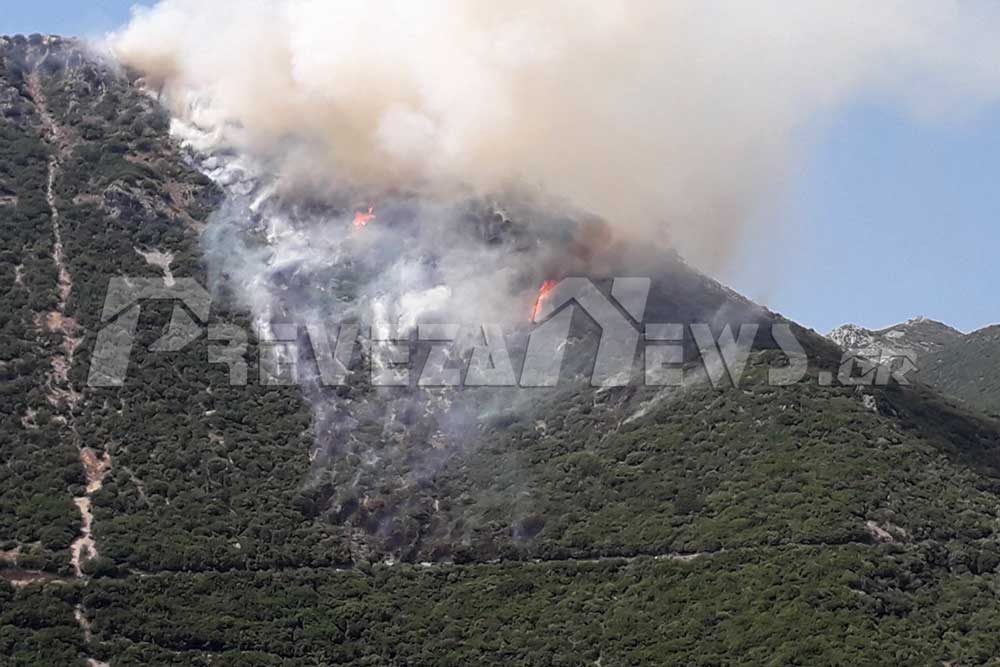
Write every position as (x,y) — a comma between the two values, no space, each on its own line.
(960,365)
(179,521)
(968,369)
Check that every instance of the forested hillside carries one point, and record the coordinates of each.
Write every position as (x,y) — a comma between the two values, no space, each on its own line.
(968,369)
(960,365)
(179,521)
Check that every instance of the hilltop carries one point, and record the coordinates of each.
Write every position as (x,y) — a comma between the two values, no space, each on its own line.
(178,520)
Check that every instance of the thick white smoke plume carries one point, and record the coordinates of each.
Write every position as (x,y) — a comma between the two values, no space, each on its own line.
(672,119)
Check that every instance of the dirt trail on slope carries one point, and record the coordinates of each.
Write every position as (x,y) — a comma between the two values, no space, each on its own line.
(88,633)
(96,467)
(60,390)
(20,578)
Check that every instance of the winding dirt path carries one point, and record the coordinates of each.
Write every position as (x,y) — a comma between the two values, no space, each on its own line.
(96,467)
(60,390)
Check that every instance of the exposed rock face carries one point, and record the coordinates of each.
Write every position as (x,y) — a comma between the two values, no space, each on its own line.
(913,339)
(965,366)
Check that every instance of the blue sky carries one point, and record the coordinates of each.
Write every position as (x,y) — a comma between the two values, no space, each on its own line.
(90,18)
(884,218)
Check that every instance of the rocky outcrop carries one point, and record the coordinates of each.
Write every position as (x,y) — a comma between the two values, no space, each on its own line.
(912,339)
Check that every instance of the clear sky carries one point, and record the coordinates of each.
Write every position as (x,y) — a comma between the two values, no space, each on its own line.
(86,18)
(885,218)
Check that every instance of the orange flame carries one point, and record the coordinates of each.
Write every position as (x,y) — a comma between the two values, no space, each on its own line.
(362,219)
(543,294)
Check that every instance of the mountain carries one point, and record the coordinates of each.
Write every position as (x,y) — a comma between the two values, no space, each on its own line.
(968,368)
(179,520)
(914,338)
(960,365)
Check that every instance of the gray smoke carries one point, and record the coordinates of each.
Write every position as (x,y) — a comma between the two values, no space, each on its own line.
(668,119)
(477,130)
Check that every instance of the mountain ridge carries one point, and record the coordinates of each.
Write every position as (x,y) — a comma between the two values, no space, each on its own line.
(912,338)
(968,369)
(962,365)
(737,525)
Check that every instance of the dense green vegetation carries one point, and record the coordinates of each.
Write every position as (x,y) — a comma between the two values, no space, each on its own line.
(37,516)
(712,470)
(800,525)
(789,606)
(37,627)
(968,369)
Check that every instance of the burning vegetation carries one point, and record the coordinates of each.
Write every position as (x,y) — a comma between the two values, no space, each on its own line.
(361,220)
(543,295)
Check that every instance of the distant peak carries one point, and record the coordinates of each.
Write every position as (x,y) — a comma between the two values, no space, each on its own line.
(917,335)
(925,323)
(849,328)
